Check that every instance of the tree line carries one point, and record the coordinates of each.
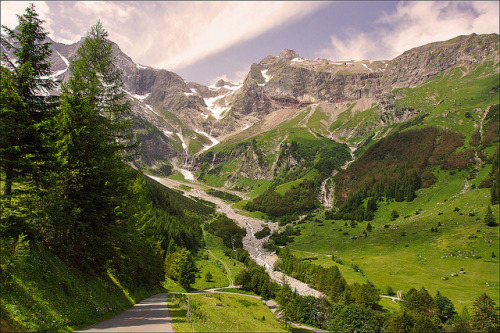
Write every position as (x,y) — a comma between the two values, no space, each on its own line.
(354,307)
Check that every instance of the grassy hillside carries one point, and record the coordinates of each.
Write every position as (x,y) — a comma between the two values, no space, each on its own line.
(43,294)
(441,231)
(404,253)
(223,313)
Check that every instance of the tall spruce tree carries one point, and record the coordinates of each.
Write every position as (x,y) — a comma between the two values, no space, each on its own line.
(92,127)
(26,107)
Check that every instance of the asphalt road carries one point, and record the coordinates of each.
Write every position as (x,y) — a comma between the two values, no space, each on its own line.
(150,315)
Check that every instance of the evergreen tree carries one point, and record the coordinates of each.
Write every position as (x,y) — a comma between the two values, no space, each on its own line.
(93,181)
(183,268)
(489,219)
(445,306)
(485,315)
(401,322)
(26,107)
(285,298)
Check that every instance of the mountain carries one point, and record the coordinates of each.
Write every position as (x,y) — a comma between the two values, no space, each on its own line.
(209,130)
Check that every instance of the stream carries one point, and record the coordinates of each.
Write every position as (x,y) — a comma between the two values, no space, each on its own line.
(253,245)
(326,194)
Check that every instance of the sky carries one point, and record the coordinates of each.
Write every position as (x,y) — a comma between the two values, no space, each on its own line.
(204,41)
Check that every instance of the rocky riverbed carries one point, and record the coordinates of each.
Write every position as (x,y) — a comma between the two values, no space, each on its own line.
(252,225)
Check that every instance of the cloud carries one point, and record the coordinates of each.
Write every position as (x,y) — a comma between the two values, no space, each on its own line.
(173,35)
(413,24)
(9,10)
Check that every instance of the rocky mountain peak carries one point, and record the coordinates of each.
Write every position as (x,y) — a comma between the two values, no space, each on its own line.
(288,54)
(221,83)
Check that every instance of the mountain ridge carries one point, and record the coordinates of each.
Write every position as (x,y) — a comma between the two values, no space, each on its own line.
(191,117)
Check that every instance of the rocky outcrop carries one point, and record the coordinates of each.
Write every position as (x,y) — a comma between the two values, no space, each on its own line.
(419,64)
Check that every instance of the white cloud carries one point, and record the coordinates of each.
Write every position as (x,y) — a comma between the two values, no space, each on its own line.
(173,35)
(235,76)
(414,24)
(189,31)
(9,10)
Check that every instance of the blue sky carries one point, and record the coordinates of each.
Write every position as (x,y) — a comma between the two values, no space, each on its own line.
(207,40)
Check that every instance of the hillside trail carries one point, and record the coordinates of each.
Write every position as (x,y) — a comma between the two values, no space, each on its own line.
(252,225)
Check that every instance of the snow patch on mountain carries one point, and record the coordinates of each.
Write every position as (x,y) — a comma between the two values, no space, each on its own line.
(214,140)
(139,97)
(266,77)
(150,108)
(59,72)
(216,110)
(63,59)
(366,66)
(140,66)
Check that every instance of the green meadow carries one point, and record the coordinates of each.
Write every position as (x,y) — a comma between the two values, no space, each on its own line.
(404,253)
(223,313)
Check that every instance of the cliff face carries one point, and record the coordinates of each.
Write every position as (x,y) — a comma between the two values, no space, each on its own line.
(417,65)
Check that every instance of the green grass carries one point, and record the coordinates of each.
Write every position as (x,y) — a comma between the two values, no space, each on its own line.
(229,313)
(448,96)
(311,175)
(177,306)
(342,118)
(318,120)
(206,263)
(387,258)
(215,245)
(46,295)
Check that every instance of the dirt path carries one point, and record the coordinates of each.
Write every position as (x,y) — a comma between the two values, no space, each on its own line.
(228,272)
(150,315)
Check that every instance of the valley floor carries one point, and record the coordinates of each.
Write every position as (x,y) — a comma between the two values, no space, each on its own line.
(253,245)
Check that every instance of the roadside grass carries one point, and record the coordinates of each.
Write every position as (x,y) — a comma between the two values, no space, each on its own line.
(46,295)
(230,313)
(405,254)
(177,307)
(215,245)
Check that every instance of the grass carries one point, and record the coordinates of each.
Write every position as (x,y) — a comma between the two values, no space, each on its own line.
(206,263)
(407,254)
(217,249)
(223,313)
(46,295)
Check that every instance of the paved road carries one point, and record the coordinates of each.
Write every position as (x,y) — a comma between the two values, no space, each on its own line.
(150,315)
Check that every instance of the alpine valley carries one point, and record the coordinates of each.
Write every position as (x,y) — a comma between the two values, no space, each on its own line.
(386,170)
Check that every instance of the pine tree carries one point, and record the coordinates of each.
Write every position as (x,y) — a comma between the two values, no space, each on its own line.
(485,314)
(92,130)
(489,219)
(26,106)
(183,268)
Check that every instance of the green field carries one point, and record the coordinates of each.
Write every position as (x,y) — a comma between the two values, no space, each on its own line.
(405,254)
(223,313)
